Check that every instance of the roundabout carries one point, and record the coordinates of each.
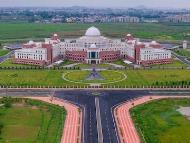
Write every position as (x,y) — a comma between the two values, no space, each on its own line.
(109,76)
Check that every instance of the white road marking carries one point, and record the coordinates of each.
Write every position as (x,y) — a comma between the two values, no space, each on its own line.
(98,118)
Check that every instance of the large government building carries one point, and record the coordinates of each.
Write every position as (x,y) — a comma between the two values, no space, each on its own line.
(92,48)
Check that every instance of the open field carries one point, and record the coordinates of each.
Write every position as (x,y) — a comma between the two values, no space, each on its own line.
(159,121)
(54,77)
(27,121)
(3,52)
(21,31)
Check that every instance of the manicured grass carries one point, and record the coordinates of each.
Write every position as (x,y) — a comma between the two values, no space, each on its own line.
(28,121)
(183,52)
(31,77)
(77,75)
(166,31)
(151,77)
(159,121)
(54,77)
(3,52)
(175,63)
(8,63)
(80,76)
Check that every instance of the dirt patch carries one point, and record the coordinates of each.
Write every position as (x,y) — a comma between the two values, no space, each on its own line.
(185,111)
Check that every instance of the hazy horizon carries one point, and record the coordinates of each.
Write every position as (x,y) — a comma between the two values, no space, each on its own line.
(97,3)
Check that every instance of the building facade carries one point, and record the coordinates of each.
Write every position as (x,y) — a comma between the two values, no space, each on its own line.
(92,48)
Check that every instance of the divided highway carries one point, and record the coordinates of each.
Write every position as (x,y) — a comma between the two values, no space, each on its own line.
(98,119)
(99,124)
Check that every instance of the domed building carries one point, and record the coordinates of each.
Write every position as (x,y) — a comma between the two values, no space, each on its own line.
(92,31)
(92,48)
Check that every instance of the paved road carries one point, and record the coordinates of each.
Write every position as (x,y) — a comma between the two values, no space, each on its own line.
(125,126)
(99,122)
(3,58)
(182,58)
(86,100)
(71,132)
(107,99)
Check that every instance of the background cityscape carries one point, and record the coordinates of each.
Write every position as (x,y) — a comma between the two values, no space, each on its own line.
(77,14)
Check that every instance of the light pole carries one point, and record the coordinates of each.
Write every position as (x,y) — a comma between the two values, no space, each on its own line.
(52,95)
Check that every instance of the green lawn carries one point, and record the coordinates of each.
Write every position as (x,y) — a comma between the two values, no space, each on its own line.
(166,31)
(3,52)
(8,63)
(161,123)
(31,121)
(175,63)
(80,76)
(54,77)
(183,52)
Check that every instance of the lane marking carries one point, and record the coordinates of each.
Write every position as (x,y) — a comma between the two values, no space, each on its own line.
(98,119)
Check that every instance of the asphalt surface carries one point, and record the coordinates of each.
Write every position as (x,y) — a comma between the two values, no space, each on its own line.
(86,100)
(3,58)
(182,58)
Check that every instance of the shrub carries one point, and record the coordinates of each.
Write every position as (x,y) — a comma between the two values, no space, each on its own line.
(7,102)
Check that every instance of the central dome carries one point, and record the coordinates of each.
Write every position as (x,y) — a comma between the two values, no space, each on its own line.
(92,31)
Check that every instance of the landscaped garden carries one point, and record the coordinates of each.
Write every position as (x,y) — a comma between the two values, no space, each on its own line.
(108,76)
(45,77)
(160,122)
(30,121)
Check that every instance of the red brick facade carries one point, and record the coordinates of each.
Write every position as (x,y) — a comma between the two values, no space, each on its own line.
(109,56)
(49,52)
(137,52)
(130,59)
(29,62)
(156,62)
(76,56)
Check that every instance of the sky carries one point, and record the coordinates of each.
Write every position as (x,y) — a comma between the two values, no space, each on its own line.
(97,3)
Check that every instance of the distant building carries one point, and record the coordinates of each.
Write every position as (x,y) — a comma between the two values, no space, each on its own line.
(92,48)
(179,18)
(184,44)
(121,19)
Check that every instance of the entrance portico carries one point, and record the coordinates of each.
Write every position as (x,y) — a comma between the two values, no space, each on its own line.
(93,61)
(93,55)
